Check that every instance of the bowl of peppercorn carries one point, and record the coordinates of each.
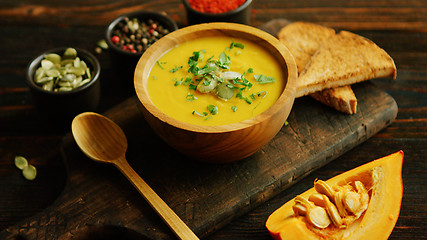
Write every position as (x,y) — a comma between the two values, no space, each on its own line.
(129,35)
(205,11)
(64,82)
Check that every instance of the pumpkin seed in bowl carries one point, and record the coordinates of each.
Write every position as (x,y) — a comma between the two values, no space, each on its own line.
(62,73)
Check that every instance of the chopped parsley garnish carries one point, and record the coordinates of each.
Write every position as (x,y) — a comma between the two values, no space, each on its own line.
(213,109)
(250,70)
(247,100)
(192,86)
(234,108)
(161,64)
(261,79)
(191,97)
(224,61)
(238,45)
(207,82)
(187,81)
(243,81)
(193,61)
(252,96)
(262,94)
(240,95)
(229,85)
(177,82)
(199,114)
(235,44)
(175,69)
(197,56)
(207,69)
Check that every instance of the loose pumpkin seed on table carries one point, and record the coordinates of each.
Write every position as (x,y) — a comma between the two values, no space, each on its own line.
(20,162)
(62,73)
(100,46)
(28,170)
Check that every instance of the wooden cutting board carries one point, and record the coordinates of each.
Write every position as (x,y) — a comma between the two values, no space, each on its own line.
(98,202)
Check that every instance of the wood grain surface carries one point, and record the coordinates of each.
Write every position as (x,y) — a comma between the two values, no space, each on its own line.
(29,28)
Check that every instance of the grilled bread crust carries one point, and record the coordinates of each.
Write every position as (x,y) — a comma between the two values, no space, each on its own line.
(344,59)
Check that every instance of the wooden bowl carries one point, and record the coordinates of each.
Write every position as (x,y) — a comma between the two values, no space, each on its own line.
(224,143)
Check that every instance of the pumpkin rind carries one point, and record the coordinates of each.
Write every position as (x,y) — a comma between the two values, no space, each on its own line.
(383,179)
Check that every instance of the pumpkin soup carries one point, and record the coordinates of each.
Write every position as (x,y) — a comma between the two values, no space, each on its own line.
(215,81)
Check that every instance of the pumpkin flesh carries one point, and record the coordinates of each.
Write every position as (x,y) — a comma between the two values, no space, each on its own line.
(382,178)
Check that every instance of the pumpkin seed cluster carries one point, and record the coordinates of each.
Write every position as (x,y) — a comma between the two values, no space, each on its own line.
(62,73)
(340,206)
(28,170)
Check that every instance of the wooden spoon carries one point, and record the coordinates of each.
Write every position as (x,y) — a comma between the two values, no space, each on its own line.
(102,140)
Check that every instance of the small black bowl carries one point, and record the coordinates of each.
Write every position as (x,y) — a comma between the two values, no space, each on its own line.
(242,14)
(59,108)
(124,62)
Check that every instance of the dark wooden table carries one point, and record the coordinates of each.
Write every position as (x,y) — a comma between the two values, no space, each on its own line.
(29,28)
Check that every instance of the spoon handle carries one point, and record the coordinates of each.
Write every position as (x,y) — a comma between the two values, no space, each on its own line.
(181,230)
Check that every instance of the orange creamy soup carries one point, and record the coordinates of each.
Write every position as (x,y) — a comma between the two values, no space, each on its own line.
(215,81)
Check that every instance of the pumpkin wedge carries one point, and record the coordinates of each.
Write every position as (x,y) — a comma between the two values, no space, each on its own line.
(362,203)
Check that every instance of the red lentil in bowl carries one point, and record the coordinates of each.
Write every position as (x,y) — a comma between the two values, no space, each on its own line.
(215,6)
(205,11)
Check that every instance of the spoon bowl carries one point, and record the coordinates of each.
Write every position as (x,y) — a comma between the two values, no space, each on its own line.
(99,137)
(102,140)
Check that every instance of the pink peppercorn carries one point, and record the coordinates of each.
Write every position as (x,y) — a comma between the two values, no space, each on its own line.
(115,39)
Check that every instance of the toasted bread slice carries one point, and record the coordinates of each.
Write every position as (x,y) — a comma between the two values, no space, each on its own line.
(344,59)
(303,39)
(340,98)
